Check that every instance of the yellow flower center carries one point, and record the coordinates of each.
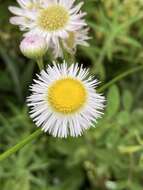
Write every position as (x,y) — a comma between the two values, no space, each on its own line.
(53,18)
(67,95)
(70,40)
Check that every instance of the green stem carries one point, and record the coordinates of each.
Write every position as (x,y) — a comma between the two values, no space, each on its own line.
(69,58)
(40,63)
(28,139)
(20,145)
(38,132)
(121,76)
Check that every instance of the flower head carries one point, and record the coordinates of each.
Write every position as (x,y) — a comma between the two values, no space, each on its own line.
(55,20)
(33,46)
(64,101)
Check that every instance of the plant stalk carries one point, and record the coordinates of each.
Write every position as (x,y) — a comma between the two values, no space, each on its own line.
(119,77)
(20,145)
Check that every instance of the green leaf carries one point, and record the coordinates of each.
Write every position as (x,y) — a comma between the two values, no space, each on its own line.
(123,118)
(129,149)
(113,101)
(127,100)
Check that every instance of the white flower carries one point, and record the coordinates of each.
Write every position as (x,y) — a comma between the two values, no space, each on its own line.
(33,46)
(79,37)
(64,101)
(52,19)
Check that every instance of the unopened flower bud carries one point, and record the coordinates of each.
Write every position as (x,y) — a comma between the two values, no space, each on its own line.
(33,46)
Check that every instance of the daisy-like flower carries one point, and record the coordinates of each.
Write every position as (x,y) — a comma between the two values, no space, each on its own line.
(33,47)
(79,37)
(64,101)
(54,20)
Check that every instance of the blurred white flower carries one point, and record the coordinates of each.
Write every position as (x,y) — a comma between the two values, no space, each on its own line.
(79,37)
(64,101)
(33,46)
(55,20)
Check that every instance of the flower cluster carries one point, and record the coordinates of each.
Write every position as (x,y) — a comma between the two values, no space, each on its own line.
(63,100)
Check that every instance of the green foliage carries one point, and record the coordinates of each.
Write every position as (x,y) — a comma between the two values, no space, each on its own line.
(107,157)
(113,101)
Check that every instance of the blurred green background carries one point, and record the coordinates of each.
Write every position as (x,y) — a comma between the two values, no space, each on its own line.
(108,157)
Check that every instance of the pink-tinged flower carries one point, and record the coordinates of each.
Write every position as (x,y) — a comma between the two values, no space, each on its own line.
(33,46)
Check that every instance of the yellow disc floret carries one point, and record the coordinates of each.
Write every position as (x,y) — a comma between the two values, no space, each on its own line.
(67,95)
(53,18)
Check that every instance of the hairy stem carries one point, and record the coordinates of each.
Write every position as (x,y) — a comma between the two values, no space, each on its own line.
(20,145)
(119,77)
